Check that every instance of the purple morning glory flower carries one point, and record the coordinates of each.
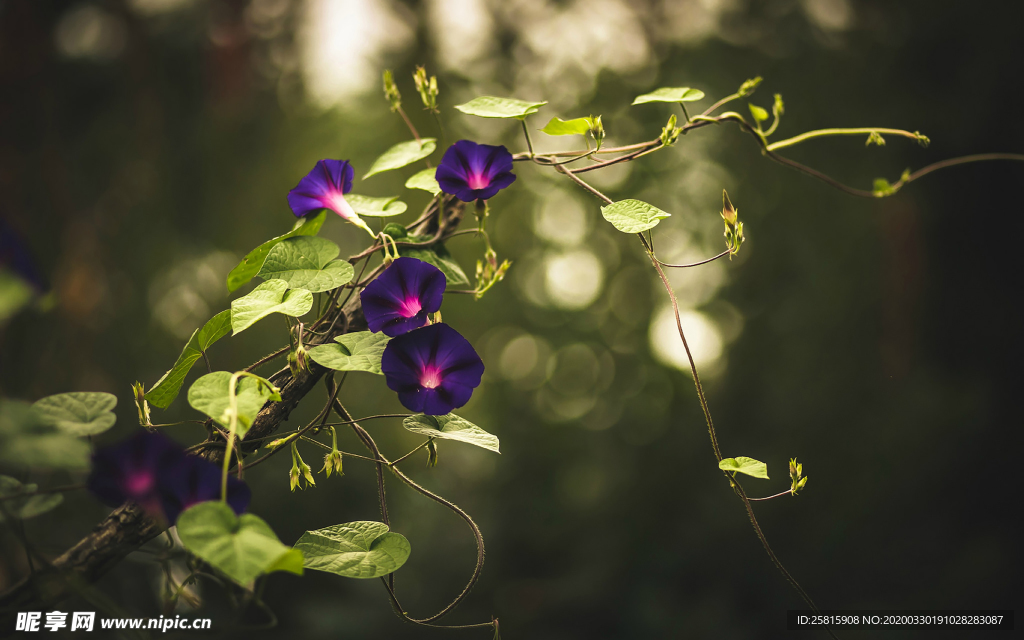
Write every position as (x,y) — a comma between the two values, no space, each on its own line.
(471,171)
(193,480)
(154,471)
(324,188)
(400,299)
(433,369)
(133,470)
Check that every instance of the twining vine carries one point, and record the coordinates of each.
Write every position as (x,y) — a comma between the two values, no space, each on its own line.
(384,320)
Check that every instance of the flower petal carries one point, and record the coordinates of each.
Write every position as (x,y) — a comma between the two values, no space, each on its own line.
(439,355)
(472,171)
(400,299)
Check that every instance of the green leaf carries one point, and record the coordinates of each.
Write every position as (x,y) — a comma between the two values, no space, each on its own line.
(354,550)
(402,154)
(28,506)
(15,293)
(882,188)
(27,440)
(307,263)
(252,263)
(559,127)
(209,394)
(435,254)
(377,207)
(451,427)
(492,107)
(80,413)
(439,257)
(272,296)
(759,114)
(291,562)
(359,351)
(166,388)
(743,464)
(424,180)
(671,94)
(240,547)
(633,216)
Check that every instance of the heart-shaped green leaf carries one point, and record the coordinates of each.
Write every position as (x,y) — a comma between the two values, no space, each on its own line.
(376,207)
(358,351)
(493,107)
(576,126)
(209,394)
(671,94)
(273,296)
(79,413)
(451,427)
(307,263)
(424,180)
(633,216)
(743,464)
(759,113)
(27,440)
(402,154)
(240,547)
(15,293)
(252,263)
(354,549)
(166,388)
(27,505)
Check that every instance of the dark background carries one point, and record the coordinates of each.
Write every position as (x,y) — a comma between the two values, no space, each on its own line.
(145,148)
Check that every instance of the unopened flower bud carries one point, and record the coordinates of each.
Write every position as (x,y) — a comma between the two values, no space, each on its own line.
(332,461)
(299,471)
(391,91)
(431,454)
(749,87)
(141,404)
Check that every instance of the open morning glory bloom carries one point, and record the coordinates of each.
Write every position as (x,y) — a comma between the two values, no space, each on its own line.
(193,480)
(324,188)
(400,299)
(433,369)
(133,470)
(471,171)
(154,471)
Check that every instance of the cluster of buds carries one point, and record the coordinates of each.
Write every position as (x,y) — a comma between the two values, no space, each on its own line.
(749,87)
(427,88)
(796,476)
(670,133)
(489,272)
(391,91)
(300,470)
(332,461)
(298,357)
(733,227)
(597,129)
(139,390)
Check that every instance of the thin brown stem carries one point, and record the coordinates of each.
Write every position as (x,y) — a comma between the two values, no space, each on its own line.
(692,264)
(777,495)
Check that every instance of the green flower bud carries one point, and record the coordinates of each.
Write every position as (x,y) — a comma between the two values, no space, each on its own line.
(139,390)
(391,91)
(749,87)
(332,461)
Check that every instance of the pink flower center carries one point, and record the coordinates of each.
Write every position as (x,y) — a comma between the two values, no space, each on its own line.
(478,181)
(410,307)
(335,201)
(431,377)
(139,483)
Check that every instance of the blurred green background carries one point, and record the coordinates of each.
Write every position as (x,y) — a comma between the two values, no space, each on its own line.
(146,145)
